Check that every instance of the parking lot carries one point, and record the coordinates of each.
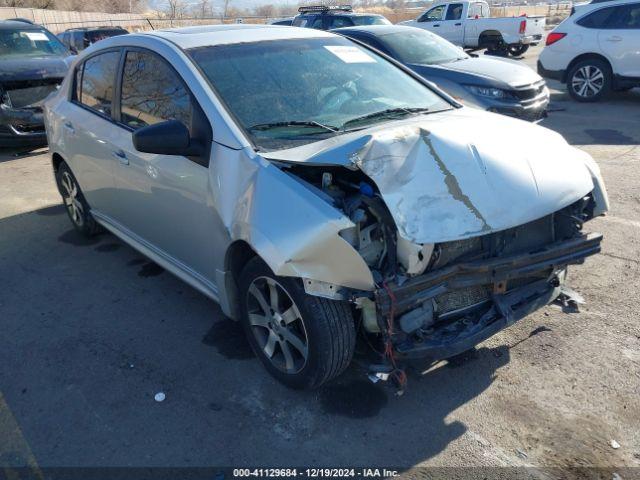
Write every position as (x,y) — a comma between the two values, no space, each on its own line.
(91,331)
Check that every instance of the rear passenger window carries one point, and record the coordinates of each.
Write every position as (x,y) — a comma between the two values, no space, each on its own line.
(98,79)
(603,18)
(454,12)
(152,92)
(628,17)
(317,23)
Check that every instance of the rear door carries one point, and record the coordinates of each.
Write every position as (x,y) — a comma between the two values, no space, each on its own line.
(619,39)
(452,26)
(88,128)
(162,199)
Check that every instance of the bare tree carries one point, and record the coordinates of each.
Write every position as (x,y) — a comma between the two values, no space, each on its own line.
(204,9)
(176,9)
(267,11)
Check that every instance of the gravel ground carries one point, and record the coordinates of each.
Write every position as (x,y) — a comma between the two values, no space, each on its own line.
(91,331)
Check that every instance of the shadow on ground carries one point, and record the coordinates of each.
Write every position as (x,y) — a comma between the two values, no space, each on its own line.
(104,330)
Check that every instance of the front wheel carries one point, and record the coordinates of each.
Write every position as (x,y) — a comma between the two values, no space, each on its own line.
(302,340)
(517,50)
(589,80)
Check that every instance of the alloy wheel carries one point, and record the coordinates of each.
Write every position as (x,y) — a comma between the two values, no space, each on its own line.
(277,325)
(587,81)
(71,198)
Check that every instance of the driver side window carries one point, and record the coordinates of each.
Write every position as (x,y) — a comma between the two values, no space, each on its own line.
(152,92)
(433,15)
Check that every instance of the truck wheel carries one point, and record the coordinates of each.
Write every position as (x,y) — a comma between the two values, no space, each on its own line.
(498,50)
(589,80)
(517,50)
(75,203)
(302,340)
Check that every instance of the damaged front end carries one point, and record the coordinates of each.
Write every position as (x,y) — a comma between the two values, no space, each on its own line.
(475,288)
(21,117)
(462,238)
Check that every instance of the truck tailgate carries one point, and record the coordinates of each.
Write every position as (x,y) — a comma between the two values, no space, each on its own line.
(535,25)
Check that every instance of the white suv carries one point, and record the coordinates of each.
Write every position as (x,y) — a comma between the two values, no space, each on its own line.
(595,50)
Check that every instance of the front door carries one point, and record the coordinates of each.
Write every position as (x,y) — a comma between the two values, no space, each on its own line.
(165,200)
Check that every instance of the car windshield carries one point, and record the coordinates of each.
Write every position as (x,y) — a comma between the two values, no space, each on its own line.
(308,89)
(30,43)
(420,47)
(369,20)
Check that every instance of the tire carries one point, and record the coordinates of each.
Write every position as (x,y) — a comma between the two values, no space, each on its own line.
(318,333)
(517,50)
(497,51)
(76,205)
(589,80)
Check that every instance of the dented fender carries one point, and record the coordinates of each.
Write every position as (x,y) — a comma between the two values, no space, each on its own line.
(286,224)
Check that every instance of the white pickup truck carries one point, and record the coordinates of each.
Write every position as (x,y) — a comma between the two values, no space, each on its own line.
(469,24)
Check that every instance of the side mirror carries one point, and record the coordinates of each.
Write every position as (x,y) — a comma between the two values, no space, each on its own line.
(167,138)
(73,50)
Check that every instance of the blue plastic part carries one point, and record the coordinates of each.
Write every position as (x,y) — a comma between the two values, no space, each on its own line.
(366,189)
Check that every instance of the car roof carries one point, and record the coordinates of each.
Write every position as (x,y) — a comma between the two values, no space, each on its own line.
(14,25)
(210,35)
(593,5)
(342,13)
(93,29)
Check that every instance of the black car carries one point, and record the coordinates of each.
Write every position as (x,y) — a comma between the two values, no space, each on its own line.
(77,39)
(323,17)
(33,63)
(493,84)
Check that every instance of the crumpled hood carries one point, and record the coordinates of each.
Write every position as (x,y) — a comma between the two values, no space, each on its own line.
(456,175)
(507,71)
(32,68)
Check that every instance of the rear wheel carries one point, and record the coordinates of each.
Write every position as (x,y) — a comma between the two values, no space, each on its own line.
(517,50)
(302,340)
(589,80)
(77,207)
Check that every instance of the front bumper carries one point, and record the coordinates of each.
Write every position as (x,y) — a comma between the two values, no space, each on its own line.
(506,306)
(21,126)
(532,109)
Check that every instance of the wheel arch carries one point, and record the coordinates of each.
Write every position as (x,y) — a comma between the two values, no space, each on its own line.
(490,38)
(56,160)
(582,57)
(238,254)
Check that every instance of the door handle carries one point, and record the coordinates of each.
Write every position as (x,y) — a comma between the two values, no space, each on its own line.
(458,24)
(436,25)
(69,127)
(615,38)
(121,156)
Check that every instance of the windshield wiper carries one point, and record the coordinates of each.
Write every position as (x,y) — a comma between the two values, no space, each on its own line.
(388,113)
(293,123)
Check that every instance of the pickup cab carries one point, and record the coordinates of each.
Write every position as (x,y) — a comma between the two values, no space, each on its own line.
(469,24)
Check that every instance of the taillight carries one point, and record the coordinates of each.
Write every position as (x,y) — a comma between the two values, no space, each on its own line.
(523,26)
(553,37)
